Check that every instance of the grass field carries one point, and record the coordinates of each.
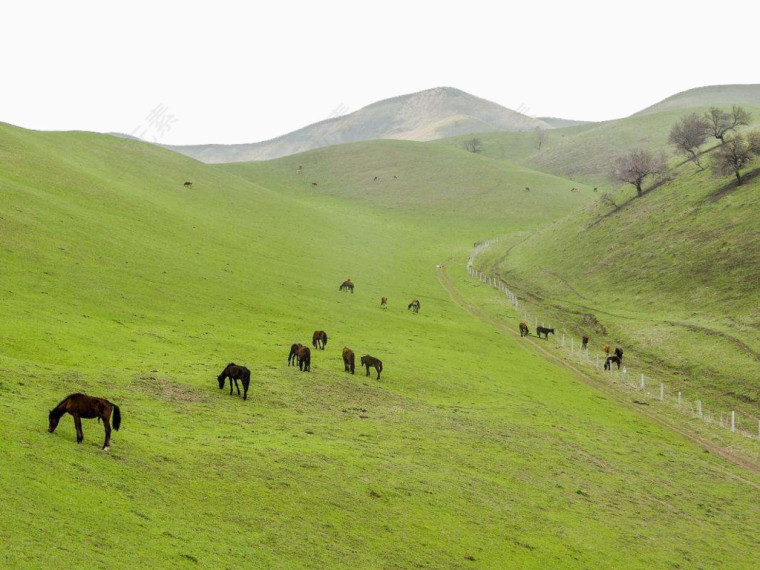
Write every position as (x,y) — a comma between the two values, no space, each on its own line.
(472,451)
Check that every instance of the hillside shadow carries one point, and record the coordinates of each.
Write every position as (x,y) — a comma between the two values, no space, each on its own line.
(733,186)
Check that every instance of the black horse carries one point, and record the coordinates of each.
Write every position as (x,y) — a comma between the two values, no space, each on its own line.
(544,331)
(619,353)
(235,373)
(83,406)
(610,360)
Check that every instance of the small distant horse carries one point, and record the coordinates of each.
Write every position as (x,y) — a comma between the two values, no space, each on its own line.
(368,361)
(299,170)
(527,188)
(610,360)
(235,373)
(375,179)
(607,349)
(293,356)
(384,302)
(585,342)
(314,184)
(619,353)
(319,339)
(524,330)
(304,359)
(348,359)
(414,306)
(544,331)
(347,285)
(83,406)
(188,184)
(574,190)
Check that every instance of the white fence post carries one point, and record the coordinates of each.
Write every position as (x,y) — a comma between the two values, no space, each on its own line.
(699,408)
(572,343)
(733,421)
(662,391)
(679,399)
(642,381)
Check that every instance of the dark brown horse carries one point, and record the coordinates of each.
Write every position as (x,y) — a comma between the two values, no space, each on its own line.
(610,360)
(524,330)
(368,361)
(293,356)
(304,359)
(319,339)
(544,331)
(83,406)
(347,285)
(235,373)
(384,302)
(414,306)
(348,359)
(188,184)
(585,342)
(619,353)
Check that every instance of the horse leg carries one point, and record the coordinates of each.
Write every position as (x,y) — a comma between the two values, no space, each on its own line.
(367,365)
(107,426)
(378,373)
(237,386)
(78,427)
(231,385)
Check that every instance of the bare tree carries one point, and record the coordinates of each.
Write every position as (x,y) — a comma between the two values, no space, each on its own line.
(736,153)
(540,137)
(720,122)
(473,145)
(636,166)
(688,134)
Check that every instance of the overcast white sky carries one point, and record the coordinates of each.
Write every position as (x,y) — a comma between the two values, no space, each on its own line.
(230,72)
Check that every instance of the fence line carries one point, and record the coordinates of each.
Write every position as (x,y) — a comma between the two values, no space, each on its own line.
(742,425)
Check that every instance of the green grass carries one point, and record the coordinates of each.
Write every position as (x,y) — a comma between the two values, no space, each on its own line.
(120,283)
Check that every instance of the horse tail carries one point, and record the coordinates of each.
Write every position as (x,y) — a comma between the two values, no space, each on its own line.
(379,366)
(116,417)
(324,339)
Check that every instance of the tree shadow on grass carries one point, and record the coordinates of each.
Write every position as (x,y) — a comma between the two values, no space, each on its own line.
(732,186)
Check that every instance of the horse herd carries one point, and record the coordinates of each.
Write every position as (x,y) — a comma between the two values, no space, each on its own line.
(616,358)
(82,406)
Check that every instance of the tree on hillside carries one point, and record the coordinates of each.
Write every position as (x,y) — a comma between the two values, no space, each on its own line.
(636,166)
(540,137)
(473,145)
(688,134)
(736,153)
(721,122)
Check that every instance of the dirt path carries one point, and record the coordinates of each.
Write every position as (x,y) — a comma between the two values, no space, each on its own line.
(532,344)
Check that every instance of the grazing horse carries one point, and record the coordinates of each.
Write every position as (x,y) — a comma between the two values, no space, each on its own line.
(235,373)
(414,305)
(314,184)
(384,302)
(347,285)
(83,406)
(610,360)
(619,353)
(188,184)
(368,361)
(293,356)
(319,339)
(348,359)
(524,330)
(544,331)
(304,359)
(585,342)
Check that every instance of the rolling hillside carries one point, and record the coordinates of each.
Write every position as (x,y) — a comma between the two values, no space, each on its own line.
(427,115)
(720,95)
(472,450)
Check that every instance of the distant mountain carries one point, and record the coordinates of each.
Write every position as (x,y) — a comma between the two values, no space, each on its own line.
(558,123)
(721,95)
(428,115)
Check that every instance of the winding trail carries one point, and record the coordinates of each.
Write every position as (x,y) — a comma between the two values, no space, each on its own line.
(529,344)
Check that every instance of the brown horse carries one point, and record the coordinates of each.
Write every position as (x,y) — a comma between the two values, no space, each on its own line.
(544,331)
(368,361)
(414,306)
(524,331)
(293,356)
(319,339)
(304,359)
(610,360)
(83,406)
(235,373)
(347,285)
(607,349)
(348,359)
(384,302)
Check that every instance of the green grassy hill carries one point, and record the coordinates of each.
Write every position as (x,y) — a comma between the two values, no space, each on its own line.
(720,95)
(672,275)
(472,450)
